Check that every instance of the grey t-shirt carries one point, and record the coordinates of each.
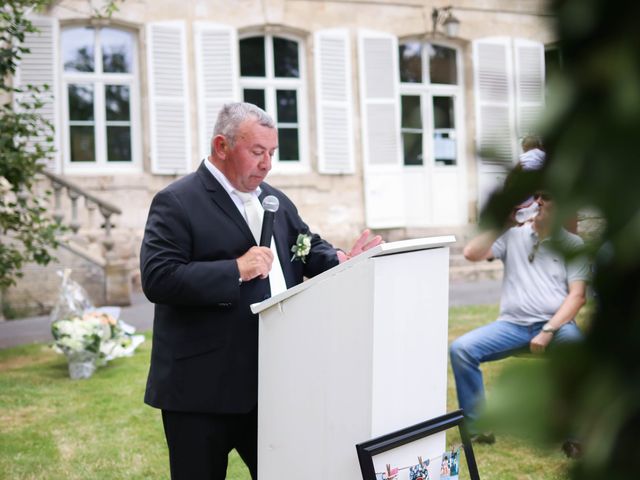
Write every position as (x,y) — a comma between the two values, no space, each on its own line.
(533,291)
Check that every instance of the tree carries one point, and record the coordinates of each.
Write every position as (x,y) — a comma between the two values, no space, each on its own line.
(28,233)
(591,133)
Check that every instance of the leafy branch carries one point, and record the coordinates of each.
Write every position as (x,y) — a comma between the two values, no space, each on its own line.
(27,232)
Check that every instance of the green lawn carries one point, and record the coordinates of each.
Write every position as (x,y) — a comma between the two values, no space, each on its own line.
(509,458)
(55,428)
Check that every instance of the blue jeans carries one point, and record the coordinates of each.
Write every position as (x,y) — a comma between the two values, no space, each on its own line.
(497,340)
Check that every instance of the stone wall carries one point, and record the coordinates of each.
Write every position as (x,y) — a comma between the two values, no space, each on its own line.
(37,292)
(333,205)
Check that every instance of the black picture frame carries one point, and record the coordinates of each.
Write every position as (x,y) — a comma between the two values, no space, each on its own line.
(370,448)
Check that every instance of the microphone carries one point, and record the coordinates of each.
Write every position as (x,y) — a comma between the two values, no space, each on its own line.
(270,205)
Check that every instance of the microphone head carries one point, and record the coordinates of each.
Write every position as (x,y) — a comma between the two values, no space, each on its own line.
(271,203)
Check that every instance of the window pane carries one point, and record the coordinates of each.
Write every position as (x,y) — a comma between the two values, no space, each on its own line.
(412,144)
(117,50)
(80,102)
(117,102)
(444,148)
(444,134)
(288,144)
(411,62)
(118,144)
(443,115)
(285,57)
(82,143)
(287,106)
(255,96)
(552,60)
(442,65)
(411,117)
(252,57)
(77,49)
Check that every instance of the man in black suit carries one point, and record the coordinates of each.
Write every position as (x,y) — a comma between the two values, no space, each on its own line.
(201,266)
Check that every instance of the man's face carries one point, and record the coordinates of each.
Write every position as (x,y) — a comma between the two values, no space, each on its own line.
(544,216)
(248,162)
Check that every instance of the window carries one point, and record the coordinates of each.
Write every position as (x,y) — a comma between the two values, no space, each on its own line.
(553,60)
(444,130)
(553,64)
(411,128)
(271,77)
(429,89)
(100,99)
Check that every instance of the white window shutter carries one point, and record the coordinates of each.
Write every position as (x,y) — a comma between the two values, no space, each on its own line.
(378,55)
(529,70)
(493,77)
(39,67)
(216,49)
(168,98)
(333,101)
(380,116)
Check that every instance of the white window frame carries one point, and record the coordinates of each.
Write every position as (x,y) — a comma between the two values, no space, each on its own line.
(270,84)
(99,79)
(426,91)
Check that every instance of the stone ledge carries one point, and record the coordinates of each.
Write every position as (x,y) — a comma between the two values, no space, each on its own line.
(486,271)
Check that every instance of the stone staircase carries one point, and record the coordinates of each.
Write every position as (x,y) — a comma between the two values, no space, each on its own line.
(460,269)
(87,248)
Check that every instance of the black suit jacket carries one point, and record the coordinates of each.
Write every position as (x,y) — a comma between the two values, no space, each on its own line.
(205,339)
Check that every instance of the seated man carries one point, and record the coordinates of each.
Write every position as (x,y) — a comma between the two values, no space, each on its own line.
(541,295)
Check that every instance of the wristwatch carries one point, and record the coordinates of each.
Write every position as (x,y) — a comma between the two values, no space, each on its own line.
(549,329)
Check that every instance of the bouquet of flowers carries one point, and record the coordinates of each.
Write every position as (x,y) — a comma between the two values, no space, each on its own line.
(89,337)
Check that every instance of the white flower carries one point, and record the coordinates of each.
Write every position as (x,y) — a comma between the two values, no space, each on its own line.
(76,335)
(301,248)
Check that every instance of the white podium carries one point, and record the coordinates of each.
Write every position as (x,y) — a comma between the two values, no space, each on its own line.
(356,352)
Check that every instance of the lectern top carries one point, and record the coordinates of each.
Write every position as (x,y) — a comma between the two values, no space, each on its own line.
(390,248)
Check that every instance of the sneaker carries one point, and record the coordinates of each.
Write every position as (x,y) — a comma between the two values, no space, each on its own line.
(487,438)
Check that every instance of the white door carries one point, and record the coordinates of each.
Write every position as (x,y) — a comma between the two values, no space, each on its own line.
(448,192)
(432,138)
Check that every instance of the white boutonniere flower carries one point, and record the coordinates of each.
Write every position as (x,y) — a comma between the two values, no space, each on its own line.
(301,248)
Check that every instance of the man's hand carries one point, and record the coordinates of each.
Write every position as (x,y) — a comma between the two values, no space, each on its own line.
(568,310)
(255,263)
(540,342)
(363,243)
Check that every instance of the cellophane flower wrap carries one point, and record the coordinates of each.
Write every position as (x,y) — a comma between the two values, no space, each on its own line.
(89,337)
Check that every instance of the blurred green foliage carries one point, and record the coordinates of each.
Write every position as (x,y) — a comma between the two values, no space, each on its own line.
(27,232)
(591,131)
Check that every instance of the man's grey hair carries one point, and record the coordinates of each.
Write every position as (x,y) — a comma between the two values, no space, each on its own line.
(233,114)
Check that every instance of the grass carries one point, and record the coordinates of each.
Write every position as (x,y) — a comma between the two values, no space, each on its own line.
(55,428)
(509,458)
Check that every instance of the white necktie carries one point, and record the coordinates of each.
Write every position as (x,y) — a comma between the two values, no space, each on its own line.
(254,214)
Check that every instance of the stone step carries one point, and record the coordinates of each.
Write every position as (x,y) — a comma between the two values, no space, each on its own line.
(458,260)
(462,233)
(460,269)
(476,271)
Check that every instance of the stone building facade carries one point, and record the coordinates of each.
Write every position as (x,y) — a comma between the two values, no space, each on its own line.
(382,119)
